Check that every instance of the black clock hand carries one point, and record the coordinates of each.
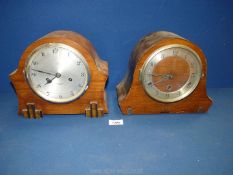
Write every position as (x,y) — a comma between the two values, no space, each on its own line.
(164,77)
(57,75)
(44,72)
(156,75)
(49,80)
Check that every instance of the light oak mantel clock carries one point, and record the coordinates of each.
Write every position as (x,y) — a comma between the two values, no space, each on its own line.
(61,73)
(167,74)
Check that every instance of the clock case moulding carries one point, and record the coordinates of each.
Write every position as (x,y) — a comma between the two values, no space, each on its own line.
(133,99)
(92,103)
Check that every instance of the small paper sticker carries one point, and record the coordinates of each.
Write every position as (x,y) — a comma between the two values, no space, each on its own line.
(115,122)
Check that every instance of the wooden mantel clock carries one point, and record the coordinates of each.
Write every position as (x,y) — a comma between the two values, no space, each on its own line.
(61,73)
(167,74)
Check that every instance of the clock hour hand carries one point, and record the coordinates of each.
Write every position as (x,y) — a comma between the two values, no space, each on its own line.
(164,77)
(57,75)
(156,75)
(44,72)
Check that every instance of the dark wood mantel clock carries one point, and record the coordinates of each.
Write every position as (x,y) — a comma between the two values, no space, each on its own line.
(167,74)
(61,73)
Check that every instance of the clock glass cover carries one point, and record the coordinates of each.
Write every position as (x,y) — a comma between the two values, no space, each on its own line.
(57,72)
(171,73)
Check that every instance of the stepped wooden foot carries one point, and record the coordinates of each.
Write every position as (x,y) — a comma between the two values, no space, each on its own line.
(31,112)
(93,110)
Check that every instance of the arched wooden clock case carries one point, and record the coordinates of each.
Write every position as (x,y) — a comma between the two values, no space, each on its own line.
(132,95)
(92,103)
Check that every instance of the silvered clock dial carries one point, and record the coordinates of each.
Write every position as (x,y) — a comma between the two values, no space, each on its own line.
(57,72)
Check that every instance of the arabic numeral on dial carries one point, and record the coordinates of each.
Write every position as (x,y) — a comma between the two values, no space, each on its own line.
(178,93)
(35,63)
(33,74)
(55,50)
(175,52)
(149,84)
(72,93)
(78,63)
(189,84)
(47,93)
(192,64)
(38,86)
(42,54)
(82,74)
(60,96)
(167,95)
(151,64)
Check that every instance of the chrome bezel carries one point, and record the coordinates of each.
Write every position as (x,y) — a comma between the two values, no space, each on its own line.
(42,95)
(184,92)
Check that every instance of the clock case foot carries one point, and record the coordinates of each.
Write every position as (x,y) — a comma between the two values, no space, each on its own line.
(132,98)
(31,112)
(94,110)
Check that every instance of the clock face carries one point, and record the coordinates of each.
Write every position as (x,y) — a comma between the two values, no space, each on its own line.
(171,73)
(57,72)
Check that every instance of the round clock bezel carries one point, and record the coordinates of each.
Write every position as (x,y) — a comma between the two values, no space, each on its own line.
(185,93)
(42,95)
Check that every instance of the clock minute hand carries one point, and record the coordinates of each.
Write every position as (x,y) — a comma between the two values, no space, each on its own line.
(44,72)
(161,80)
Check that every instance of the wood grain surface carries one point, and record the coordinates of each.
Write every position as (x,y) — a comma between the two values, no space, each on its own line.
(133,99)
(98,74)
